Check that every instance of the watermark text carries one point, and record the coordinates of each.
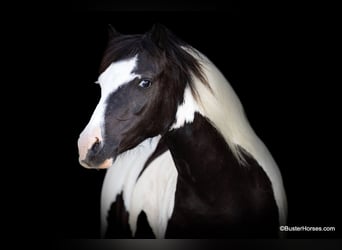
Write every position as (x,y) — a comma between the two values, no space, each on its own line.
(306,229)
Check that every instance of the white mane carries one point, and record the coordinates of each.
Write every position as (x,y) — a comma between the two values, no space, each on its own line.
(231,122)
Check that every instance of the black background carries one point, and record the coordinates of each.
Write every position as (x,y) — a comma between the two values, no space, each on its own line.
(278,58)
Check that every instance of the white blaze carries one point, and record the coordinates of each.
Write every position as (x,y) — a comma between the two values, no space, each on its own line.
(110,80)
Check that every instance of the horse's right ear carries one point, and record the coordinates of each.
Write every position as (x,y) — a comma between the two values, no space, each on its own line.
(159,34)
(112,32)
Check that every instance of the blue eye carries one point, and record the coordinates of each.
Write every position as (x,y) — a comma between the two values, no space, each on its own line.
(144,83)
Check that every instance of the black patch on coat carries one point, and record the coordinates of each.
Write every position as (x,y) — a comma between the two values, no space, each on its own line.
(118,227)
(216,196)
(161,148)
(144,231)
(117,220)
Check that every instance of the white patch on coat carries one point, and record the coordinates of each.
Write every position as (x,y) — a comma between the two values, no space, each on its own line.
(186,110)
(138,195)
(154,193)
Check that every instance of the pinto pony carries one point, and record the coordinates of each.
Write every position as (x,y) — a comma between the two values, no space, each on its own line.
(182,159)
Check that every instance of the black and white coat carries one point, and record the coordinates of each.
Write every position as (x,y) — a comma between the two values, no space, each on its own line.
(201,172)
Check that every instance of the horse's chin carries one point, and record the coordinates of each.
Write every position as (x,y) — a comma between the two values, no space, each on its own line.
(104,165)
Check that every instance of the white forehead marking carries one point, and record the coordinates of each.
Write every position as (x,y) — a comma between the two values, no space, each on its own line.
(111,79)
(117,74)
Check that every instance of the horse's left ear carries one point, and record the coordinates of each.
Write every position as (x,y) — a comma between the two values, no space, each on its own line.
(112,32)
(159,34)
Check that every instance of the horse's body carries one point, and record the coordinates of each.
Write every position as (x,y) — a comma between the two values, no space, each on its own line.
(183,160)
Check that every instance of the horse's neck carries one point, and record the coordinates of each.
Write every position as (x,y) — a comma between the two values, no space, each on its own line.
(211,178)
(200,152)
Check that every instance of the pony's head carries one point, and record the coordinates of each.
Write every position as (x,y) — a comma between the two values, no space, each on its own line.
(143,79)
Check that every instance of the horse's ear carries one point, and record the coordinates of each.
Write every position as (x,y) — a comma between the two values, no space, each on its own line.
(112,32)
(159,34)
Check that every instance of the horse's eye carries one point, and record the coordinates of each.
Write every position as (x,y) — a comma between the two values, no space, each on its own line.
(145,83)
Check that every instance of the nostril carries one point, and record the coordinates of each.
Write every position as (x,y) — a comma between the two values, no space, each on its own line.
(96,146)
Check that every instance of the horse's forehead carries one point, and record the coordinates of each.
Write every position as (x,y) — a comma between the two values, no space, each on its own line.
(117,74)
(147,63)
